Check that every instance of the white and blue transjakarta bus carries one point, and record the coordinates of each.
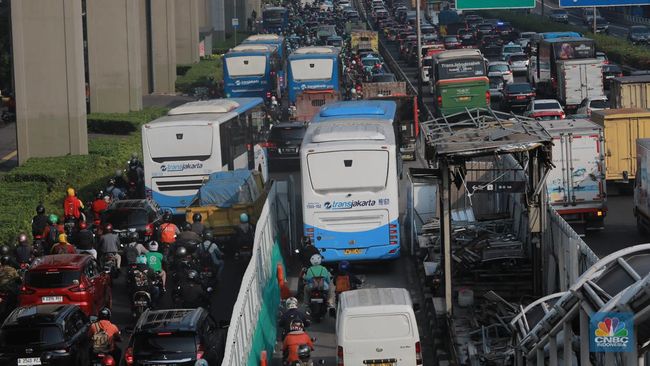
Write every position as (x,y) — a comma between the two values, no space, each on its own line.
(349,189)
(182,149)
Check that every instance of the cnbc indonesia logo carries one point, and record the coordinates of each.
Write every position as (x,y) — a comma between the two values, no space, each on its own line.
(611,332)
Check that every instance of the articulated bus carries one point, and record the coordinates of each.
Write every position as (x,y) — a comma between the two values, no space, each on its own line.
(350,189)
(313,79)
(251,70)
(280,43)
(459,79)
(181,149)
(275,19)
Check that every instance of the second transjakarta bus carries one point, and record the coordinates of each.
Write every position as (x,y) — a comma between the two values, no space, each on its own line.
(349,190)
(280,44)
(459,79)
(275,19)
(182,149)
(251,70)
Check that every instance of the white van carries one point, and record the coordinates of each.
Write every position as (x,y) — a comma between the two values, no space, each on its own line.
(377,326)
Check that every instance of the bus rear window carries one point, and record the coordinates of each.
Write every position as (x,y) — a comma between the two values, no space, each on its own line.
(246,66)
(460,69)
(312,69)
(353,170)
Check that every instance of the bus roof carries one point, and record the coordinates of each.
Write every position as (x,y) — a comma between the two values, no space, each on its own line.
(253,47)
(315,50)
(550,35)
(206,111)
(566,39)
(263,37)
(363,130)
(380,109)
(468,52)
(274,8)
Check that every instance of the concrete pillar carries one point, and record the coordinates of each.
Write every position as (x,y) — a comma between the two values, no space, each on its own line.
(114,60)
(145,46)
(219,19)
(49,77)
(163,46)
(187,31)
(205,15)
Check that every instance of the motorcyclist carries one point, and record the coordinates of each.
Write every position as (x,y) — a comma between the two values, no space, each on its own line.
(63,247)
(99,205)
(188,238)
(136,174)
(109,243)
(134,248)
(104,324)
(9,282)
(344,279)
(168,230)
(142,269)
(24,250)
(245,232)
(292,313)
(85,240)
(72,205)
(296,337)
(116,193)
(210,247)
(51,232)
(307,251)
(191,291)
(39,222)
(197,226)
(155,262)
(312,281)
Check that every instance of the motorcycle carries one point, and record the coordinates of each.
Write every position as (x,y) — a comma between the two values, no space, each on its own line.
(110,264)
(102,359)
(142,299)
(318,299)
(304,354)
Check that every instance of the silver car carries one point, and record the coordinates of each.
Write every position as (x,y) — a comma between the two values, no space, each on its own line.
(518,62)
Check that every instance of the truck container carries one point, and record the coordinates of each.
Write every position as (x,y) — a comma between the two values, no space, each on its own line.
(630,92)
(579,79)
(383,89)
(364,40)
(641,186)
(622,127)
(576,185)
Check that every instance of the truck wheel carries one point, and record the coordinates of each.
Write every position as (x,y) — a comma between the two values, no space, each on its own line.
(640,226)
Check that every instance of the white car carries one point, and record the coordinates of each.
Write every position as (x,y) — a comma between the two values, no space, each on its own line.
(501,68)
(591,104)
(509,49)
(326,6)
(518,62)
(544,109)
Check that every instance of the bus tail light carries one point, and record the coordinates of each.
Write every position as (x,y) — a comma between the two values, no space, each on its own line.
(268,95)
(418,353)
(487,97)
(148,230)
(128,356)
(339,356)
(439,100)
(148,193)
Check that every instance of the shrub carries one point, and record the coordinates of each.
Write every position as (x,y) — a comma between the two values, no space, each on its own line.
(203,73)
(122,123)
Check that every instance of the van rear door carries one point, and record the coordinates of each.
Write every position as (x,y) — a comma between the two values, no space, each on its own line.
(386,339)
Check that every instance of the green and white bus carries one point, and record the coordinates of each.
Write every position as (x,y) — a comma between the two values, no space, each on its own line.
(459,79)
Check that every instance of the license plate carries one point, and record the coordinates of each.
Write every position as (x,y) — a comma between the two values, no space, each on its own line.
(51,299)
(290,150)
(463,99)
(352,251)
(30,361)
(319,301)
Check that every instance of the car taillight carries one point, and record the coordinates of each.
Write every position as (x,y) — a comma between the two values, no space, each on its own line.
(267,144)
(440,101)
(619,74)
(562,115)
(199,352)
(108,360)
(148,230)
(339,356)
(79,288)
(128,356)
(418,353)
(268,95)
(487,97)
(26,290)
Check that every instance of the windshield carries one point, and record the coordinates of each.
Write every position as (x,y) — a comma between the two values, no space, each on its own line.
(512,49)
(599,103)
(519,88)
(47,335)
(335,43)
(453,69)
(451,39)
(369,62)
(274,15)
(612,68)
(498,68)
(125,218)
(639,30)
(518,58)
(547,105)
(154,344)
(496,83)
(485,27)
(51,279)
(287,134)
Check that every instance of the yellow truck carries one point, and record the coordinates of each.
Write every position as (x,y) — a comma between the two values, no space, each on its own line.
(364,40)
(630,92)
(225,196)
(622,128)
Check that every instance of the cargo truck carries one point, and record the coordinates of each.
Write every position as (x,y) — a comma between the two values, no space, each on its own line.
(576,185)
(364,40)
(579,79)
(641,186)
(630,92)
(622,127)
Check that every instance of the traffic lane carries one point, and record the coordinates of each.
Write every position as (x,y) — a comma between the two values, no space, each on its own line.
(620,228)
(8,154)
(617,30)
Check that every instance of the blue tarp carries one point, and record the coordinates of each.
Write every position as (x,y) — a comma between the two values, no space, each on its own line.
(225,189)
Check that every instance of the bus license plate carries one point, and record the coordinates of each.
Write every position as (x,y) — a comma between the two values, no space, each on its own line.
(30,361)
(51,299)
(463,99)
(352,251)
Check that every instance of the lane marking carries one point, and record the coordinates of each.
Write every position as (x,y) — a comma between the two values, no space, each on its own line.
(9,156)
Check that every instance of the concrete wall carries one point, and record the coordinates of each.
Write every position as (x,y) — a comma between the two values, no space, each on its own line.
(187,31)
(145,50)
(205,15)
(163,44)
(219,19)
(49,77)
(114,60)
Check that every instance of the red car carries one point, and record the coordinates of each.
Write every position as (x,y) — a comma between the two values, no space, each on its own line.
(67,279)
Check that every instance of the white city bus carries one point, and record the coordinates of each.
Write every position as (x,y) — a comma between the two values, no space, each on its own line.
(181,149)
(349,189)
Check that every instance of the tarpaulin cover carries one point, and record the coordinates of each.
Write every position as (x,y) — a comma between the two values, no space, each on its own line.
(225,189)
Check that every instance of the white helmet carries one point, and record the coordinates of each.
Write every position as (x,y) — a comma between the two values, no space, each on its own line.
(153,246)
(292,303)
(315,260)
(354,62)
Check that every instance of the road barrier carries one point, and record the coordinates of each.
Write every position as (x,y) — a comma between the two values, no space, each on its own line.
(253,325)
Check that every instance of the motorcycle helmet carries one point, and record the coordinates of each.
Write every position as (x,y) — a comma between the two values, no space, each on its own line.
(153,246)
(141,259)
(304,352)
(292,303)
(344,266)
(187,226)
(99,195)
(83,225)
(4,250)
(181,252)
(22,238)
(167,216)
(104,314)
(5,260)
(208,234)
(197,217)
(306,241)
(108,228)
(296,325)
(70,192)
(315,260)
(192,274)
(63,238)
(133,236)
(243,218)
(40,209)
(53,219)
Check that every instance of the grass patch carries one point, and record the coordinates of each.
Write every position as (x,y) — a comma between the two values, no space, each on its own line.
(199,74)
(46,179)
(618,50)
(122,123)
